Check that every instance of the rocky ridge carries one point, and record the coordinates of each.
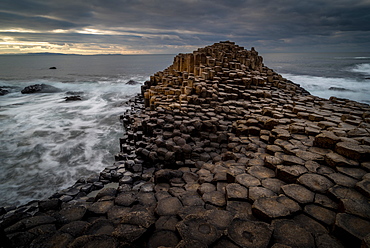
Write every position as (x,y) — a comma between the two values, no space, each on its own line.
(219,151)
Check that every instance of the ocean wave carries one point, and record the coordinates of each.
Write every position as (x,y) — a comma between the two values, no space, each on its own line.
(352,57)
(47,144)
(326,87)
(361,68)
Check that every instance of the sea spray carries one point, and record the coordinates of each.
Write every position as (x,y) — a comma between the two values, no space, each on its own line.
(326,87)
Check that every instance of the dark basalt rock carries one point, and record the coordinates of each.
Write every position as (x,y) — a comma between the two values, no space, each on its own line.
(74,93)
(3,92)
(186,243)
(52,68)
(73,98)
(75,228)
(100,208)
(125,199)
(248,234)
(320,214)
(129,233)
(71,213)
(311,225)
(40,88)
(340,89)
(106,241)
(289,233)
(236,191)
(163,239)
(197,228)
(29,223)
(298,193)
(50,204)
(326,240)
(269,208)
(169,206)
(216,198)
(351,228)
(99,227)
(315,182)
(142,217)
(132,82)
(168,222)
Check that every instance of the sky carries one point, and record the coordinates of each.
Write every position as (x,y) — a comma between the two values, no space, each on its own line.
(181,26)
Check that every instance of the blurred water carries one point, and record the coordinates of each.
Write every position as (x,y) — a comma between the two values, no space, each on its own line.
(46,143)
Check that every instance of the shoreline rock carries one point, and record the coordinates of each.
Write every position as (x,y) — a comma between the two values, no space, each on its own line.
(132,82)
(219,150)
(40,88)
(3,91)
(73,98)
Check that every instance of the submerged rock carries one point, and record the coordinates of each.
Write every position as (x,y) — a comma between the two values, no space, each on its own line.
(40,88)
(5,89)
(73,98)
(132,82)
(74,93)
(3,92)
(340,89)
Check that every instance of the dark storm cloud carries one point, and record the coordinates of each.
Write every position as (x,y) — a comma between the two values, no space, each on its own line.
(10,20)
(267,25)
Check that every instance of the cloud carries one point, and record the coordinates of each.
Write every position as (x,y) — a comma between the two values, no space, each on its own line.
(179,25)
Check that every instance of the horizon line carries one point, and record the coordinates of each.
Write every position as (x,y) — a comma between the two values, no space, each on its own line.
(144,54)
(77,54)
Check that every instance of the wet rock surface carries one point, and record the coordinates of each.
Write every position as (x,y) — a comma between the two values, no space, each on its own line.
(40,88)
(3,91)
(132,82)
(73,98)
(219,151)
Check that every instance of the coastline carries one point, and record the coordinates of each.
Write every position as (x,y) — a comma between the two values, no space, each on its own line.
(217,145)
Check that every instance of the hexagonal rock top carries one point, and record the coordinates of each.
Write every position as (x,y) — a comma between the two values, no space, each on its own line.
(315,182)
(250,234)
(269,208)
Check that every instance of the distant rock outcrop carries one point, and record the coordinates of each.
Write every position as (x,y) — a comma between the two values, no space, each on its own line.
(52,68)
(40,88)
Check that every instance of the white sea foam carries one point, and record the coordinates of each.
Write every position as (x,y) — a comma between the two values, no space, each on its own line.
(361,68)
(46,144)
(326,87)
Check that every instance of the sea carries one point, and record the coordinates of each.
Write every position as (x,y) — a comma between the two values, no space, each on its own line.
(343,75)
(47,143)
